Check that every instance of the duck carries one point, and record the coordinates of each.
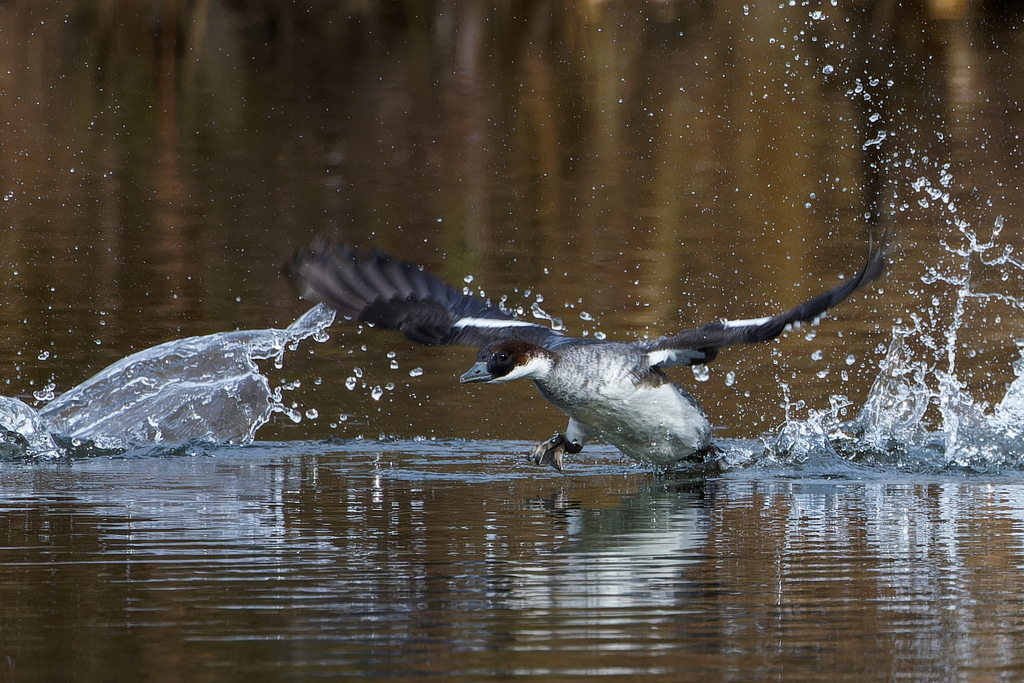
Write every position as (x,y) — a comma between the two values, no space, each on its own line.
(615,391)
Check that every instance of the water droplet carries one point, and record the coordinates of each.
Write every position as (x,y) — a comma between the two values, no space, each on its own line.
(827,69)
(46,393)
(350,383)
(730,378)
(468,279)
(585,316)
(394,365)
(43,355)
(312,414)
(540,313)
(817,355)
(600,335)
(701,373)
(358,372)
(376,392)
(851,359)
(416,372)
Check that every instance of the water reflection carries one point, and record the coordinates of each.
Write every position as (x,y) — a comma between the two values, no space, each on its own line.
(628,557)
(267,555)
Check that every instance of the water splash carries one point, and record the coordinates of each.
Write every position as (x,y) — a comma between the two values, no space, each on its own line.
(539,313)
(23,433)
(207,388)
(919,413)
(893,412)
(805,442)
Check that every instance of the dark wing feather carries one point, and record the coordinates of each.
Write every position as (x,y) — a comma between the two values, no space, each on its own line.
(701,345)
(378,290)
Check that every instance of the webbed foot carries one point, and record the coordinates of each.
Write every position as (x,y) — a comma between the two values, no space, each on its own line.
(551,451)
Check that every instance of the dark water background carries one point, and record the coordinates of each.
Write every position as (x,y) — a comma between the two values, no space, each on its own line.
(644,167)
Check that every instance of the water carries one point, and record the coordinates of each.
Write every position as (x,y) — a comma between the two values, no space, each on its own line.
(201,388)
(448,561)
(349,510)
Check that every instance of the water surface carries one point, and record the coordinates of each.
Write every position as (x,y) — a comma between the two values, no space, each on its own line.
(442,561)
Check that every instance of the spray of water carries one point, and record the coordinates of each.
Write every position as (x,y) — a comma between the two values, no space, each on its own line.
(206,388)
(920,371)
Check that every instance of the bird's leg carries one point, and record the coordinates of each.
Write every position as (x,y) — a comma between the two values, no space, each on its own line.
(551,451)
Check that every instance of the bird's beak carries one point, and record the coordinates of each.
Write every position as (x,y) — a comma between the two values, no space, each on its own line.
(477,373)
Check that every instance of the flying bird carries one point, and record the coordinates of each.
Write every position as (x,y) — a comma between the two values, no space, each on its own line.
(613,390)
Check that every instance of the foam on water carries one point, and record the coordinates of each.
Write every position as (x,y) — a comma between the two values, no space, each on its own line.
(206,388)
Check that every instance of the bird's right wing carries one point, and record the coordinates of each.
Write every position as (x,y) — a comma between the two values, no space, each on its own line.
(378,290)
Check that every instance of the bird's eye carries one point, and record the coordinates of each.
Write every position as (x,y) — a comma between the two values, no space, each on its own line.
(501,356)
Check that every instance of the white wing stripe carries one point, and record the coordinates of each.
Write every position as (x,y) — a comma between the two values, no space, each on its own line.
(492,322)
(753,322)
(670,357)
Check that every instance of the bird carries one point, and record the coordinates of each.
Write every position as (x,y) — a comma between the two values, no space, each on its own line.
(617,391)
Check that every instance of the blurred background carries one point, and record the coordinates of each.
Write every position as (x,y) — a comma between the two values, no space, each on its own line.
(644,167)
(632,168)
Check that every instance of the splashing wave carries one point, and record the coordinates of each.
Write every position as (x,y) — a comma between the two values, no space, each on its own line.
(207,388)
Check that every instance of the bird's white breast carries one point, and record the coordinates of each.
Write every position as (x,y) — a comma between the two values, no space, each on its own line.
(647,417)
